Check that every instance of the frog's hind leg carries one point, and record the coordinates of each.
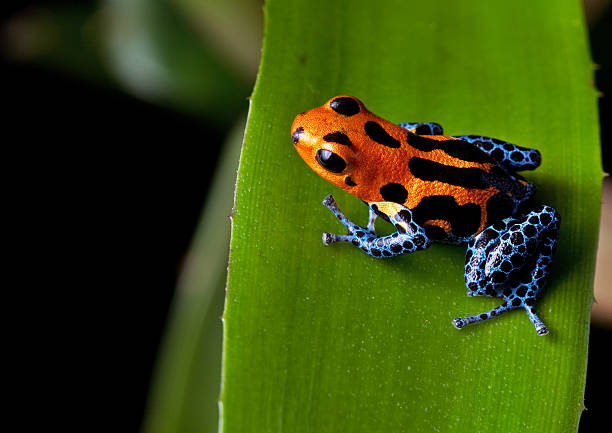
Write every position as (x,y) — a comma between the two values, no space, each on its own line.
(508,155)
(511,260)
(425,128)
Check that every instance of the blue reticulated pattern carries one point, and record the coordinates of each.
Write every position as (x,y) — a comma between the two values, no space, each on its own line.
(511,260)
(514,157)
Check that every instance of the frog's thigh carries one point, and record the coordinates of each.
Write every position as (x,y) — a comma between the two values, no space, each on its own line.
(477,282)
(511,260)
(499,257)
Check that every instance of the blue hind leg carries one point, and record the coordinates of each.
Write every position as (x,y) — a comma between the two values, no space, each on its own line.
(508,155)
(511,260)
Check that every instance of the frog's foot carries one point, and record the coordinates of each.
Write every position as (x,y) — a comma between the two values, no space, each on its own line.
(541,328)
(460,322)
(408,238)
(354,231)
(511,260)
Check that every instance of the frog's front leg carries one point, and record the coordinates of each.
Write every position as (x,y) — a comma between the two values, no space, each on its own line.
(409,236)
(511,260)
(371,220)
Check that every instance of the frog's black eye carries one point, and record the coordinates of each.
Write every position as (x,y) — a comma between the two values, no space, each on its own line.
(330,161)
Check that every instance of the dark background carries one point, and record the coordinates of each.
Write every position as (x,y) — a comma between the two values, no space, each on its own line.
(120,183)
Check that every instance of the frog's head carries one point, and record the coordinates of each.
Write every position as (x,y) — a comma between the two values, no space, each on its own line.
(322,138)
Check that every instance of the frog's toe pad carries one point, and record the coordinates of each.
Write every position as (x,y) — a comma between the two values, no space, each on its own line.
(328,238)
(541,329)
(459,322)
(330,202)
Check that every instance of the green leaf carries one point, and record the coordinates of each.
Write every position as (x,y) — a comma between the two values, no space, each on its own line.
(326,339)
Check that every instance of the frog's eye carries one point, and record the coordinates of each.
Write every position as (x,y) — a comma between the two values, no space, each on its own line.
(330,161)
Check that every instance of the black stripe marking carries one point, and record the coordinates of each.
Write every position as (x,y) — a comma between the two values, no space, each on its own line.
(464,220)
(423,129)
(499,206)
(337,137)
(435,233)
(499,179)
(379,213)
(379,135)
(470,177)
(345,106)
(461,149)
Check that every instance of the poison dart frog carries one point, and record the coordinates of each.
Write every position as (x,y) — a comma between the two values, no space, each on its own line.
(460,190)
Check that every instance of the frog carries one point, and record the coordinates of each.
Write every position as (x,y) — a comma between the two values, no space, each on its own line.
(462,189)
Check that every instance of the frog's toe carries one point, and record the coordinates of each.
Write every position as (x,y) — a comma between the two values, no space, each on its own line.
(541,329)
(330,238)
(330,202)
(459,322)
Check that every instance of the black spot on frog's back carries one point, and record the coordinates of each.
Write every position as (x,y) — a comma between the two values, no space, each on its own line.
(464,219)
(394,192)
(337,137)
(345,105)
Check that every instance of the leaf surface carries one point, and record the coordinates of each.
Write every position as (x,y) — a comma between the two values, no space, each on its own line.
(327,339)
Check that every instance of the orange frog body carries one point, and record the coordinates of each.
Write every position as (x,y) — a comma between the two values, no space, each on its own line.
(431,187)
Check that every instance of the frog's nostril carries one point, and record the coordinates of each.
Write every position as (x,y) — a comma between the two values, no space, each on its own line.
(296,135)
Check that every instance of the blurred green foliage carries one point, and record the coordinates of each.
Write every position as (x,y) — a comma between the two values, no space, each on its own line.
(197,57)
(156,53)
